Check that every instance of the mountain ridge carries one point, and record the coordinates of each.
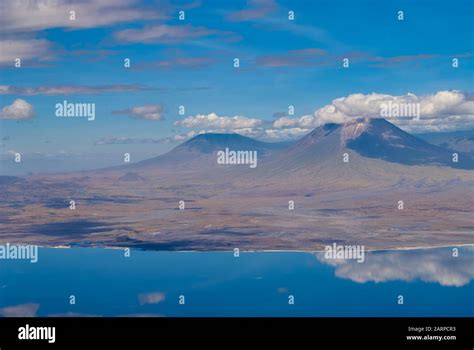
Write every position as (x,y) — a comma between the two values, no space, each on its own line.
(369,137)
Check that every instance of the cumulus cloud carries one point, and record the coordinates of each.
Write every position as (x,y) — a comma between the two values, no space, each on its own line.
(25,49)
(250,127)
(30,16)
(254,132)
(151,298)
(442,111)
(146,112)
(429,265)
(257,132)
(212,120)
(306,121)
(250,132)
(285,134)
(71,89)
(165,33)
(19,109)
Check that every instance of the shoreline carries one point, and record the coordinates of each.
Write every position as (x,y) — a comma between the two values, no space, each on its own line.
(464,245)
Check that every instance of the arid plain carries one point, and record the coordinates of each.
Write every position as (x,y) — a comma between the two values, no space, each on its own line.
(300,197)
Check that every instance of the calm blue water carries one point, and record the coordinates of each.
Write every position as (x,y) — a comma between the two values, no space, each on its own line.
(106,283)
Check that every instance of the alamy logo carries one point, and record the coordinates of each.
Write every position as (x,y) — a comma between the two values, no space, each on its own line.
(73,110)
(24,252)
(237,157)
(334,251)
(395,110)
(37,333)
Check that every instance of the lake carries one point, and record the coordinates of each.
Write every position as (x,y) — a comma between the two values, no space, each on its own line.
(105,282)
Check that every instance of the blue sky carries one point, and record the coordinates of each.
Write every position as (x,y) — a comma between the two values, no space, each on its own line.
(190,63)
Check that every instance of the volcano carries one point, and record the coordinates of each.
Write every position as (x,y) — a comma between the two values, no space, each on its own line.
(371,145)
(369,138)
(201,150)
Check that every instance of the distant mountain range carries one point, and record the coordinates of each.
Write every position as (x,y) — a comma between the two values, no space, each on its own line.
(319,152)
(369,138)
(458,141)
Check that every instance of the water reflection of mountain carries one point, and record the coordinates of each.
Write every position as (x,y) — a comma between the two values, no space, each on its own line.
(429,265)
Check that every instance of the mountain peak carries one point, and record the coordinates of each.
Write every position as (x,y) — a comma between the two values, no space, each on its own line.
(371,138)
(354,128)
(202,149)
(207,142)
(349,130)
(211,142)
(378,138)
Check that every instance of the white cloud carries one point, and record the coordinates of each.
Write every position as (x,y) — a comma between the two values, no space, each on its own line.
(146,112)
(429,265)
(165,33)
(182,137)
(249,132)
(185,136)
(25,49)
(306,121)
(285,134)
(250,127)
(442,111)
(71,89)
(257,132)
(29,16)
(19,109)
(212,120)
